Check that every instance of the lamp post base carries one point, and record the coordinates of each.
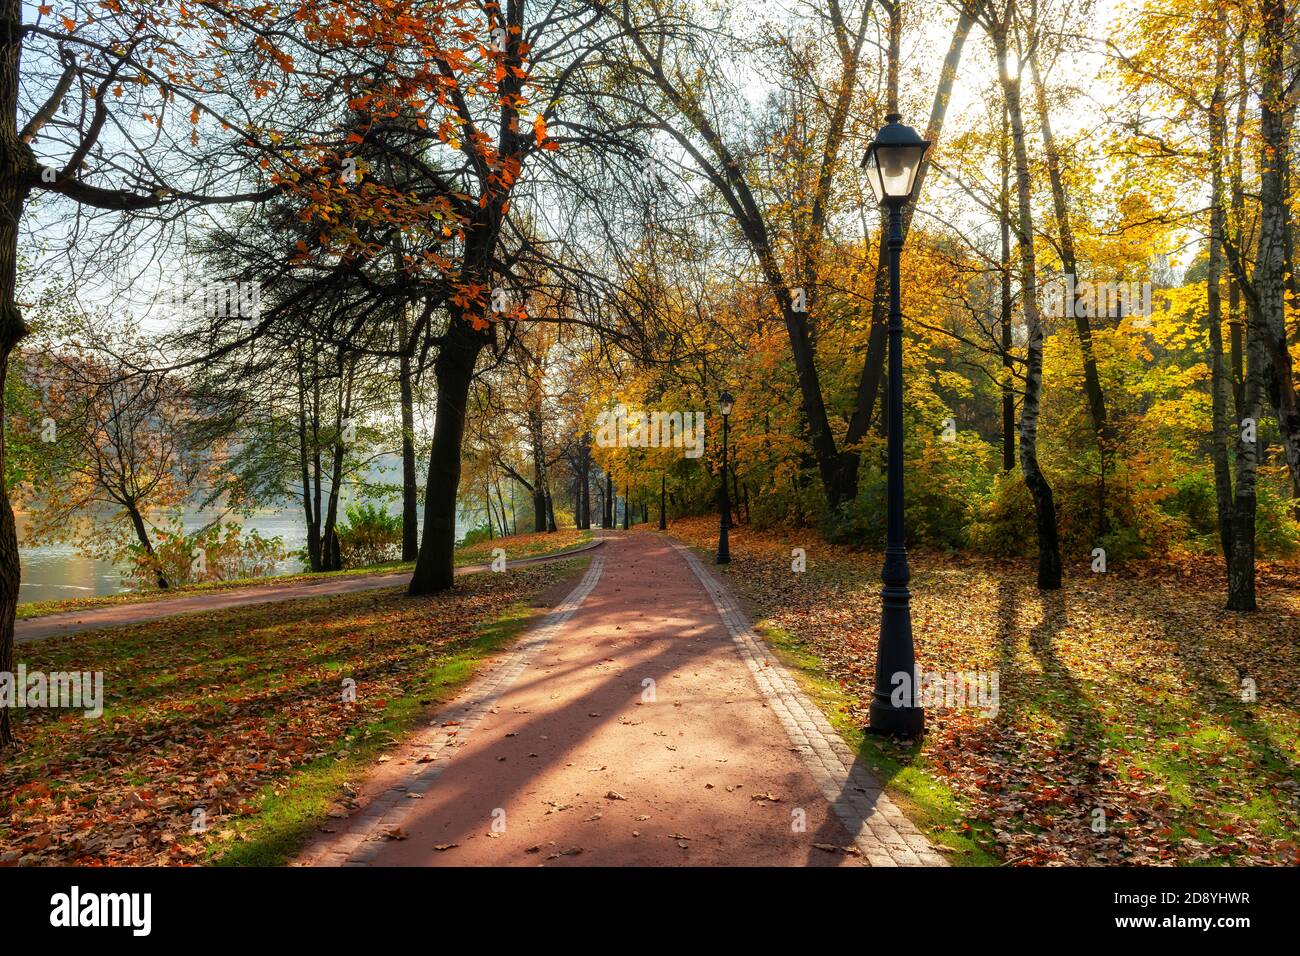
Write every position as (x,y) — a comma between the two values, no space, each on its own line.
(885,718)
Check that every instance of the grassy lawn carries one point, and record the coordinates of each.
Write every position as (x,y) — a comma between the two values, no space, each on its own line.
(240,712)
(1120,700)
(522,546)
(518,546)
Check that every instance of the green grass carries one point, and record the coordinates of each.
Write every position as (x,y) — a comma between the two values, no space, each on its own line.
(532,545)
(934,808)
(288,816)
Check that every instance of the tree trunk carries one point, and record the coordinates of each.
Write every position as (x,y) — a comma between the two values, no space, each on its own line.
(453,371)
(1049,552)
(735,493)
(142,535)
(487,507)
(410,511)
(1270,266)
(501,503)
(310,505)
(1267,294)
(1070,266)
(1219,428)
(15,159)
(539,472)
(1236,316)
(585,507)
(1008,362)
(329,537)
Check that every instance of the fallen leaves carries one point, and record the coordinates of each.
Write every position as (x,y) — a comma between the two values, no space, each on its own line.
(216,712)
(1121,693)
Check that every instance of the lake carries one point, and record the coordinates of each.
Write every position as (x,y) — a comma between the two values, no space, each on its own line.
(54,572)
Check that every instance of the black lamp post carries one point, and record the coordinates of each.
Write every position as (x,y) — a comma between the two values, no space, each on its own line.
(725,403)
(892,162)
(663,498)
(627,501)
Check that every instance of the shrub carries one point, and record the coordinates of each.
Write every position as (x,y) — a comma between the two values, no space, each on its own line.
(474,535)
(1194,507)
(220,552)
(1277,533)
(369,536)
(942,480)
(1135,524)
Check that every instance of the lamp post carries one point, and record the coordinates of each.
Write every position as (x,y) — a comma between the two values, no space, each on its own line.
(725,403)
(892,162)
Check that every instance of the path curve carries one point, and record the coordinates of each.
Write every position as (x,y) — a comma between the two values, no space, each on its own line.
(120,615)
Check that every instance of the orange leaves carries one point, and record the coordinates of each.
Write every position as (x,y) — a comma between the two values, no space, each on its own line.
(195,729)
(277,56)
(539,134)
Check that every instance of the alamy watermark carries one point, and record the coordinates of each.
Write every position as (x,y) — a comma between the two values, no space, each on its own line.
(77,690)
(951,689)
(618,427)
(215,300)
(1066,297)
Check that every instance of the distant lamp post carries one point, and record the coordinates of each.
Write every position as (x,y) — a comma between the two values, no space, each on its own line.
(892,162)
(725,404)
(627,501)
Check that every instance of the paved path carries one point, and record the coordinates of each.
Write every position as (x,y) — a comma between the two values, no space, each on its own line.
(641,722)
(118,615)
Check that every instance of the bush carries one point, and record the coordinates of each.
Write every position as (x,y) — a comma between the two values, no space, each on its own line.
(1135,524)
(1193,506)
(474,535)
(941,481)
(369,536)
(220,552)
(1277,533)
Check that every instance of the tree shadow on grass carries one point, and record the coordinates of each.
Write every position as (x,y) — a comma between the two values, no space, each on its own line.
(1215,671)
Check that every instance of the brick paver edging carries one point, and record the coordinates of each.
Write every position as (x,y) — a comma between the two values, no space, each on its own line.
(366,831)
(881,832)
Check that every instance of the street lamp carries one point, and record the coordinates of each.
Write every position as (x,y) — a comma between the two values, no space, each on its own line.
(892,161)
(725,404)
